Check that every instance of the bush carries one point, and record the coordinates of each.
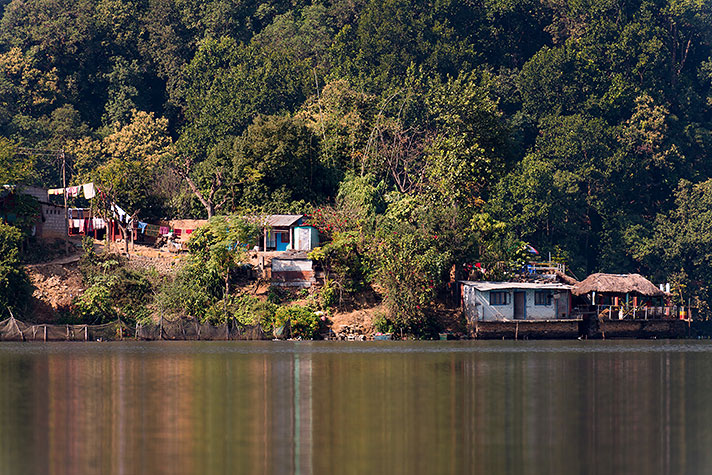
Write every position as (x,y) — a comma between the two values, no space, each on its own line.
(303,321)
(345,259)
(113,290)
(120,293)
(246,310)
(382,324)
(410,270)
(328,296)
(15,287)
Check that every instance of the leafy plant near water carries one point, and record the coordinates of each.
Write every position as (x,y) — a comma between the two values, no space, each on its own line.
(302,320)
(410,270)
(113,290)
(15,287)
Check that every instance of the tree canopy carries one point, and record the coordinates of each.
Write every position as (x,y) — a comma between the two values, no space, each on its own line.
(574,126)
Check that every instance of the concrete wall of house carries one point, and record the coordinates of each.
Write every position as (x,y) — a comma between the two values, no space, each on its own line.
(52,222)
(477,306)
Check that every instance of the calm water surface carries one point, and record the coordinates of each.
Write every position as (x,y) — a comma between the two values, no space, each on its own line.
(382,407)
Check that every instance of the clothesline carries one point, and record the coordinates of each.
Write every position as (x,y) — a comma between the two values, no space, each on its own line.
(88,189)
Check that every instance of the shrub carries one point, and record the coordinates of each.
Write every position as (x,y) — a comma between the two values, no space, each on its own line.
(15,287)
(303,321)
(328,295)
(345,259)
(121,292)
(410,270)
(244,309)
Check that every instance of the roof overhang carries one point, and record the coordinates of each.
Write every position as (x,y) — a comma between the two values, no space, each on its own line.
(486,286)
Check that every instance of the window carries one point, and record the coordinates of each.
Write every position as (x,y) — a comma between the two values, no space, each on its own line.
(499,298)
(285,238)
(542,298)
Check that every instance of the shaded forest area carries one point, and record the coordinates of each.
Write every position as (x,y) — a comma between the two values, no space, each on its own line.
(420,134)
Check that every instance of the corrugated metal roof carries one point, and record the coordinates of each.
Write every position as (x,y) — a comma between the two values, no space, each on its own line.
(485,286)
(278,220)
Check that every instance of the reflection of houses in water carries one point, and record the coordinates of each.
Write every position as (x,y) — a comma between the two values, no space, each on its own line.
(293,417)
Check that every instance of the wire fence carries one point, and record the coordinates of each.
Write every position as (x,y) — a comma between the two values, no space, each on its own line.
(12,329)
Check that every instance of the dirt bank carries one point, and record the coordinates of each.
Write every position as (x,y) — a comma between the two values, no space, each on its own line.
(56,283)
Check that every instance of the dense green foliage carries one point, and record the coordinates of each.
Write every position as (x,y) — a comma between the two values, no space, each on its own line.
(303,322)
(566,124)
(15,288)
(114,291)
(217,258)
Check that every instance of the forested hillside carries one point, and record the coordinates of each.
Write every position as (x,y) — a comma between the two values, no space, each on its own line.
(433,133)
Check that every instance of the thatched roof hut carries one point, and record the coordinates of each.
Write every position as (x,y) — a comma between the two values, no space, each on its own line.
(617,284)
(565,279)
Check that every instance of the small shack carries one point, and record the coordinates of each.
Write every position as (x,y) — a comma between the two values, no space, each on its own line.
(284,232)
(491,301)
(622,295)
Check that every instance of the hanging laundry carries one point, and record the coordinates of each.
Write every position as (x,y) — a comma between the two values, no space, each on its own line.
(55,191)
(142,227)
(89,191)
(152,230)
(89,225)
(73,191)
(69,213)
(164,230)
(121,214)
(75,223)
(81,225)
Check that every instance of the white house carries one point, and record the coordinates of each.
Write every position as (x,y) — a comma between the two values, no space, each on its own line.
(515,300)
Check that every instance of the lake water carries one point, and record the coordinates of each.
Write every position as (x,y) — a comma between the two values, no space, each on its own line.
(577,407)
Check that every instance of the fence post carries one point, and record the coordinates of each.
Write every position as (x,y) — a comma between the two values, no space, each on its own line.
(86,332)
(67,332)
(45,333)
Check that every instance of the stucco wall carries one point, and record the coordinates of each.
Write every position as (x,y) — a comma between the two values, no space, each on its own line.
(477,307)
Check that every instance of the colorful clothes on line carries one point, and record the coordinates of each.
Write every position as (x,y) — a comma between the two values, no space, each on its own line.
(164,230)
(55,191)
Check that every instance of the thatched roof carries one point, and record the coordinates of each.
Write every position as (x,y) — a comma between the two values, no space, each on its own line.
(565,279)
(619,284)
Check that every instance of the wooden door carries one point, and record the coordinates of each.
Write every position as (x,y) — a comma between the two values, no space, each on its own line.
(520,305)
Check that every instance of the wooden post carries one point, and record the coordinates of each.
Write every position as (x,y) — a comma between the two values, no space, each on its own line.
(45,333)
(86,332)
(66,210)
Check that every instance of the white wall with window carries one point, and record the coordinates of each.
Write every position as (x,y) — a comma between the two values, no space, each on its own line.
(516,300)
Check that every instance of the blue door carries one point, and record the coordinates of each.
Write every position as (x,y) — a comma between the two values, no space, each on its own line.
(282,240)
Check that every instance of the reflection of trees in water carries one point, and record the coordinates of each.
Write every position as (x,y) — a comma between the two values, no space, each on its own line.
(279,408)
